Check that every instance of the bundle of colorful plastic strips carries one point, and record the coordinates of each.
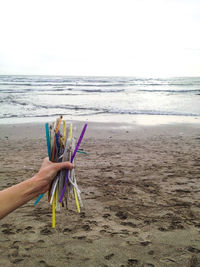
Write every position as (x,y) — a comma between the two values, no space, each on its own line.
(62,146)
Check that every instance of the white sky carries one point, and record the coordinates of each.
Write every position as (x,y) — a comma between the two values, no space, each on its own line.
(104,37)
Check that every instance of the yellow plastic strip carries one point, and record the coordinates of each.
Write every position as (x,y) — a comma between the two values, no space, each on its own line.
(76,199)
(75,194)
(53,213)
(56,195)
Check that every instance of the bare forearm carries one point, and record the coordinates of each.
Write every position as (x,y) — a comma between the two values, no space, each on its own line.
(17,195)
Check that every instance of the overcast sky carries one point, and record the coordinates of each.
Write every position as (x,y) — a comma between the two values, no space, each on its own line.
(104,37)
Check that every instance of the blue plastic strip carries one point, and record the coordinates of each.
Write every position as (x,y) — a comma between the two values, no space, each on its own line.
(49,154)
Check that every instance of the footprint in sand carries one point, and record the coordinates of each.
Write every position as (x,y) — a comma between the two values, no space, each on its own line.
(86,227)
(193,250)
(17,260)
(106,215)
(122,215)
(82,215)
(8,232)
(81,237)
(145,243)
(150,252)
(129,224)
(43,263)
(29,228)
(67,230)
(46,231)
(124,232)
(133,262)
(162,229)
(109,256)
(102,231)
(93,222)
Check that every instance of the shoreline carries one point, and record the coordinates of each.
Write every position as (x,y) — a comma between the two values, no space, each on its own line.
(35,130)
(137,119)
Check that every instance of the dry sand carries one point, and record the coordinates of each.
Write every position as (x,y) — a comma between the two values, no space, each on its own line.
(141,190)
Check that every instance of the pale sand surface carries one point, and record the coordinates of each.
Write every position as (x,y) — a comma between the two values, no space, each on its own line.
(141,191)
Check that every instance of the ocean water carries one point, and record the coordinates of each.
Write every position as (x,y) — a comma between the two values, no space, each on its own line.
(40,98)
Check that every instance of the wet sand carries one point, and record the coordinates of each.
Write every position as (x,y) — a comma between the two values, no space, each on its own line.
(141,191)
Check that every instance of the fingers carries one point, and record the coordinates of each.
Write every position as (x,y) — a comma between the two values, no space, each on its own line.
(57,166)
(63,165)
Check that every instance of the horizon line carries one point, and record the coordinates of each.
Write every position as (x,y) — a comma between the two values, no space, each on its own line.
(111,76)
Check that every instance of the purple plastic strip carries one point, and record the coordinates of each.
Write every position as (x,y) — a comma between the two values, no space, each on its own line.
(72,158)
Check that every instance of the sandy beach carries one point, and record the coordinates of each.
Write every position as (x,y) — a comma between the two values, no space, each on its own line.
(141,191)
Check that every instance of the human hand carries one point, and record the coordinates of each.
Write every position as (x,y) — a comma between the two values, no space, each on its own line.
(48,172)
